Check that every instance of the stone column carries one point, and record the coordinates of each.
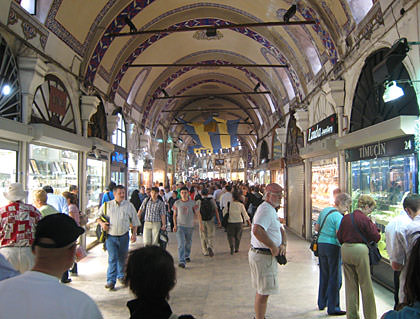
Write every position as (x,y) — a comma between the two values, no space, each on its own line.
(88,107)
(335,95)
(302,122)
(32,71)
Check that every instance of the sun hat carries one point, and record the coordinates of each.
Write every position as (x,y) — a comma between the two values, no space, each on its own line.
(15,192)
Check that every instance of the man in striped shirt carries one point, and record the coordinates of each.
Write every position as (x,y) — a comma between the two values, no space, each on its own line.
(154,219)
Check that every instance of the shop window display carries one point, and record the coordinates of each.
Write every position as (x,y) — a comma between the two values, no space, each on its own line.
(7,172)
(50,166)
(387,180)
(96,172)
(324,182)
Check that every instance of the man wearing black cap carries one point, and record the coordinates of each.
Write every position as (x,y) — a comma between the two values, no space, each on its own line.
(38,293)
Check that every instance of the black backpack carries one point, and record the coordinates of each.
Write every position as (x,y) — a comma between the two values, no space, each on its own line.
(206,209)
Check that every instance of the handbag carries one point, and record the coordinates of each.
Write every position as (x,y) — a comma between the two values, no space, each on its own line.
(281,259)
(163,238)
(226,217)
(80,253)
(374,254)
(101,234)
(314,242)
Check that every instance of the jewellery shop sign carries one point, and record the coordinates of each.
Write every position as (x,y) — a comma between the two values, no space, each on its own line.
(322,129)
(399,146)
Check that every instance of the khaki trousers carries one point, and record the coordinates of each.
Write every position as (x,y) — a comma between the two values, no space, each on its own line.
(357,274)
(207,236)
(151,233)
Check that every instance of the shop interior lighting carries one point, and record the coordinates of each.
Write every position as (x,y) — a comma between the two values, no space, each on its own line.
(6,90)
(392,92)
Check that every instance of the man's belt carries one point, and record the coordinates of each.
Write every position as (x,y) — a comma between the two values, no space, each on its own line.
(264,251)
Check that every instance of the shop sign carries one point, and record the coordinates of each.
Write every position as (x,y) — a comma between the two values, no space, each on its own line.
(57,101)
(324,128)
(399,146)
(119,158)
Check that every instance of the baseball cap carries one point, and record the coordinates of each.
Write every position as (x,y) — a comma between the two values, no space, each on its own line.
(60,228)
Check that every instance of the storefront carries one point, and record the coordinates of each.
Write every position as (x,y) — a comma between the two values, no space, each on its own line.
(322,156)
(56,167)
(386,168)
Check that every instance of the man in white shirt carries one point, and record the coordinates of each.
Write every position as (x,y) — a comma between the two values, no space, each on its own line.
(122,216)
(38,293)
(226,197)
(268,240)
(396,225)
(405,238)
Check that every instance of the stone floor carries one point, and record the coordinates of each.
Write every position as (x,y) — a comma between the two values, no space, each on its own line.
(219,287)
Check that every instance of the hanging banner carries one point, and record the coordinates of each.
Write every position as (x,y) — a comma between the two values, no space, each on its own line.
(57,101)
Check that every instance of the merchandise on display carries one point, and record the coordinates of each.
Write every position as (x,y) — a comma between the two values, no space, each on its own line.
(387,180)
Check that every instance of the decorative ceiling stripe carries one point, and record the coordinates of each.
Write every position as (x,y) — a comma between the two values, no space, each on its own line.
(200,22)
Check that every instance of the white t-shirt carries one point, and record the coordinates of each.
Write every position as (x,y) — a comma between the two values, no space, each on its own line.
(38,295)
(226,197)
(266,217)
(396,225)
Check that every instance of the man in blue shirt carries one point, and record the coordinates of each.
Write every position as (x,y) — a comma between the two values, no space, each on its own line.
(56,201)
(109,195)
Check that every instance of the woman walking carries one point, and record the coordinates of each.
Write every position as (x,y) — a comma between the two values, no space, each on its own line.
(355,256)
(237,215)
(329,250)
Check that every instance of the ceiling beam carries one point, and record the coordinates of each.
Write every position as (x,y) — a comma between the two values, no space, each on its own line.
(207,65)
(216,27)
(210,95)
(211,110)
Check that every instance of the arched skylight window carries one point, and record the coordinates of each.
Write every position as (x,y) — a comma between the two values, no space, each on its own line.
(359,8)
(119,136)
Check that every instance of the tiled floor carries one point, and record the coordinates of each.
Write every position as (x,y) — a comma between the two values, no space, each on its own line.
(219,287)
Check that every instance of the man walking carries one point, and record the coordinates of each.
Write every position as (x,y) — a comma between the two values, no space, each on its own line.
(404,240)
(122,216)
(38,293)
(56,201)
(17,228)
(208,209)
(184,210)
(268,240)
(154,218)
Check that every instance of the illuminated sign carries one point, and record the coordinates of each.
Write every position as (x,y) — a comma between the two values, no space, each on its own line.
(324,128)
(119,158)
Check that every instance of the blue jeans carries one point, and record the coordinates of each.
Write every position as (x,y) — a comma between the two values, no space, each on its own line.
(184,238)
(117,247)
(329,277)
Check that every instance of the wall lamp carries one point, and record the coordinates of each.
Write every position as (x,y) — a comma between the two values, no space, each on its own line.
(393,91)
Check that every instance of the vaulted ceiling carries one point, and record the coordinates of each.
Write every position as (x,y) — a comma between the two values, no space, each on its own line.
(308,50)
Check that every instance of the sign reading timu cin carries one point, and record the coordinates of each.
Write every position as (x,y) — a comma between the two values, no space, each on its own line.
(324,128)
(398,146)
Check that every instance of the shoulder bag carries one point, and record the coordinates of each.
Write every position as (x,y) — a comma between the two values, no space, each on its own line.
(226,217)
(100,233)
(314,241)
(374,254)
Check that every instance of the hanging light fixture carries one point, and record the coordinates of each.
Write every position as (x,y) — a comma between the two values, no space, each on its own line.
(392,92)
(6,90)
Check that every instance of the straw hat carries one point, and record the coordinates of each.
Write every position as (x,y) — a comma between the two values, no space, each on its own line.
(15,192)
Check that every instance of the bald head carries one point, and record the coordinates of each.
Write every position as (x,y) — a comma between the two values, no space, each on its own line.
(274,188)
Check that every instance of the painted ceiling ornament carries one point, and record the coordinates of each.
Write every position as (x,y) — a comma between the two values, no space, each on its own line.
(203,35)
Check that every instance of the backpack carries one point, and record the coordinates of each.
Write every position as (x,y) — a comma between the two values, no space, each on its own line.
(206,209)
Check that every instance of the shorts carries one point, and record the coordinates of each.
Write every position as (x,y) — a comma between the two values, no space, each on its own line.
(263,273)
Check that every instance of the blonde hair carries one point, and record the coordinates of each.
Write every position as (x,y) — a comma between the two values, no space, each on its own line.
(40,195)
(366,200)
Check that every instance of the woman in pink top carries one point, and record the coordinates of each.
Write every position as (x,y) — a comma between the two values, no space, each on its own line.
(75,214)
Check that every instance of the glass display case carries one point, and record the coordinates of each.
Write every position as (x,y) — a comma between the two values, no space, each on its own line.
(51,166)
(96,174)
(387,180)
(324,181)
(8,171)
(133,182)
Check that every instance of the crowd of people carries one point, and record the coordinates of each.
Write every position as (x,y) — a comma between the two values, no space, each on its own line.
(38,244)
